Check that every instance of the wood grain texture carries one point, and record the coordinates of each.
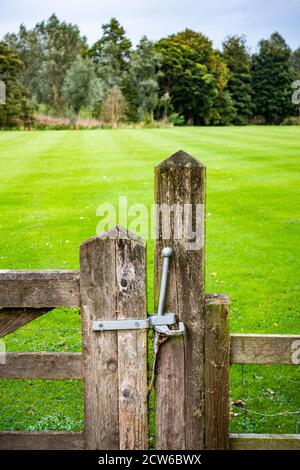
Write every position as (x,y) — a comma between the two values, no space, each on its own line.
(217,350)
(264,441)
(68,365)
(41,441)
(113,286)
(75,441)
(132,345)
(39,289)
(265,349)
(170,390)
(100,351)
(11,319)
(59,366)
(180,180)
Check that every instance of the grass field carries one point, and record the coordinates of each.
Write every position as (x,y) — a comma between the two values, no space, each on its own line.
(51,184)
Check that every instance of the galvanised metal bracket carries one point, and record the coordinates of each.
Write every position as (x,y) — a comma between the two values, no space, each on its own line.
(159,321)
(120,325)
(134,324)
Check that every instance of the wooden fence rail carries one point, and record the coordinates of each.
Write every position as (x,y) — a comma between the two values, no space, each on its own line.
(76,441)
(192,373)
(49,365)
(45,365)
(37,289)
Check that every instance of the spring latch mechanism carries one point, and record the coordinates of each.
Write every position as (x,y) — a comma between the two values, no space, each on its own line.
(160,321)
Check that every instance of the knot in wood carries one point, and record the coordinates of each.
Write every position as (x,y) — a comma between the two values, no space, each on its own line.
(112,365)
(127,392)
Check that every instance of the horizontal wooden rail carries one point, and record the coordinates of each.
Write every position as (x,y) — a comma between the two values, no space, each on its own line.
(75,441)
(41,441)
(60,366)
(265,349)
(264,441)
(245,349)
(39,289)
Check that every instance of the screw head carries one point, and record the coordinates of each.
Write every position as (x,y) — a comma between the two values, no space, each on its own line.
(167,252)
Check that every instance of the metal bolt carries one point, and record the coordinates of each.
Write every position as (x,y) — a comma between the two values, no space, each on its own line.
(166,254)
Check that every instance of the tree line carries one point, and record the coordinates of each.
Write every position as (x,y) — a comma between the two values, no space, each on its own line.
(180,79)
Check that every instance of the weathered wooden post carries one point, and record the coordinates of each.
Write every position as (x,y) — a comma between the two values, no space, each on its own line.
(113,287)
(180,181)
(217,351)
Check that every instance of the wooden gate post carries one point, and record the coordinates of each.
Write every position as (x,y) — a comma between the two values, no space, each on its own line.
(217,351)
(180,372)
(113,287)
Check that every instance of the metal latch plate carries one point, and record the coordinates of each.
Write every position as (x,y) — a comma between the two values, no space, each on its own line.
(131,324)
(165,319)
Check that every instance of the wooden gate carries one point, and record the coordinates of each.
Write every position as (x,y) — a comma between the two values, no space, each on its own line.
(192,373)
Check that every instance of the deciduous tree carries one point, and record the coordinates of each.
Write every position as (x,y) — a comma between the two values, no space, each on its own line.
(272,78)
(296,63)
(194,75)
(82,87)
(17,108)
(142,80)
(114,107)
(238,61)
(48,51)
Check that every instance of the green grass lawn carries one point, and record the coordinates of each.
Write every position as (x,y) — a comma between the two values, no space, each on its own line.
(51,184)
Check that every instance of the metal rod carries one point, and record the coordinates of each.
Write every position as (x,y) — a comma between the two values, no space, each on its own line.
(166,254)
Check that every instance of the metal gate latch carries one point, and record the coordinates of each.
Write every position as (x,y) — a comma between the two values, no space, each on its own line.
(159,321)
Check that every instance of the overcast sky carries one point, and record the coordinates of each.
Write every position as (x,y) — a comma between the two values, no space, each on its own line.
(157,18)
